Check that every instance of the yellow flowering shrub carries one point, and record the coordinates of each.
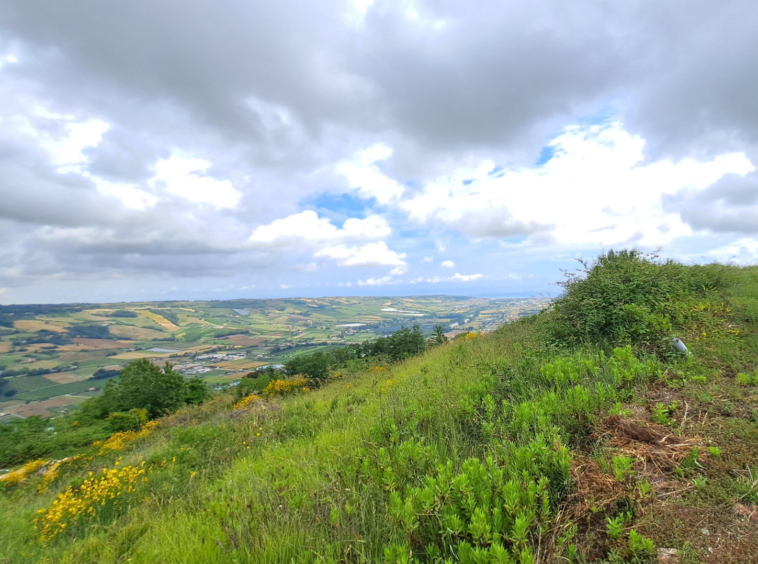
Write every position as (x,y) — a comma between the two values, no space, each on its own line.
(17,476)
(377,369)
(52,472)
(247,401)
(471,335)
(86,502)
(117,441)
(286,387)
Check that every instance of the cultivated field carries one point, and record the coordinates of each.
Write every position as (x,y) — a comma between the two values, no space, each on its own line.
(51,351)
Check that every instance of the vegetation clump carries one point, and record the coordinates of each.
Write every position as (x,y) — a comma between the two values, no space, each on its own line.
(629,297)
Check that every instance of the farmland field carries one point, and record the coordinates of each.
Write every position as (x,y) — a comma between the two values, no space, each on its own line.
(59,352)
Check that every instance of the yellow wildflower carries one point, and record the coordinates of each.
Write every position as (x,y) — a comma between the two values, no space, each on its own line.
(17,476)
(70,505)
(246,402)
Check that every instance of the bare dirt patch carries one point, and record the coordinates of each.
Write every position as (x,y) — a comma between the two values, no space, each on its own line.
(5,347)
(41,408)
(714,532)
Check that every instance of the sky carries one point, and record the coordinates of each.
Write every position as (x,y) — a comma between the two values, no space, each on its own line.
(244,149)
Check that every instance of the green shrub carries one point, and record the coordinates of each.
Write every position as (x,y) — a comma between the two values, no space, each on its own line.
(639,545)
(626,297)
(131,420)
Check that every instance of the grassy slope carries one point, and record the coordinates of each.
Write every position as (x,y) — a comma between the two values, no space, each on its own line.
(328,476)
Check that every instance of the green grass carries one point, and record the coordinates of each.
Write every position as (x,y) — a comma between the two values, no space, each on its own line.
(468,453)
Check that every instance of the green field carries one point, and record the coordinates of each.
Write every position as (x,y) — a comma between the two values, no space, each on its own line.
(95,336)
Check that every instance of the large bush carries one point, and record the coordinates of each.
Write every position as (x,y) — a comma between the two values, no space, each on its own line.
(142,385)
(627,297)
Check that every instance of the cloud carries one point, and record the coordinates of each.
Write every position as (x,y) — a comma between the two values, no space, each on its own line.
(308,227)
(595,190)
(186,177)
(447,264)
(376,281)
(371,254)
(743,251)
(138,143)
(364,176)
(729,205)
(465,277)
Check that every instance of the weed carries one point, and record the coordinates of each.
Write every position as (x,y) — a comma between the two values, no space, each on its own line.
(615,526)
(639,545)
(622,467)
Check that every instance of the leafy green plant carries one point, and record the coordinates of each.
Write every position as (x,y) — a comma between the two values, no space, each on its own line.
(744,379)
(662,413)
(622,467)
(615,525)
(692,460)
(699,482)
(644,488)
(714,451)
(639,545)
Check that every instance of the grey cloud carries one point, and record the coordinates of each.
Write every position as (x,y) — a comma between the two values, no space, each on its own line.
(730,205)
(499,225)
(274,93)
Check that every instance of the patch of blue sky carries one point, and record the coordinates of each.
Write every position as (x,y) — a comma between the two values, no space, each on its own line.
(547,153)
(342,205)
(515,240)
(604,115)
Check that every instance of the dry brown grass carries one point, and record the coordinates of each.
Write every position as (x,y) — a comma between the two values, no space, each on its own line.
(62,378)
(656,447)
(36,325)
(134,333)
(159,319)
(244,341)
(102,343)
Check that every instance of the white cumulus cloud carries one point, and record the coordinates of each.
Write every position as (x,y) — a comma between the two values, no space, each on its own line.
(465,277)
(371,254)
(595,190)
(307,226)
(364,176)
(186,177)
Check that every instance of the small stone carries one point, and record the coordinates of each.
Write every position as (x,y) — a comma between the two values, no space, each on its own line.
(667,556)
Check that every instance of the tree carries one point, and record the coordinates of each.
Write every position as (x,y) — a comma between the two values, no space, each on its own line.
(439,335)
(196,391)
(142,385)
(315,366)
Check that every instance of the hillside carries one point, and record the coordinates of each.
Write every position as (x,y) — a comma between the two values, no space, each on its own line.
(579,434)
